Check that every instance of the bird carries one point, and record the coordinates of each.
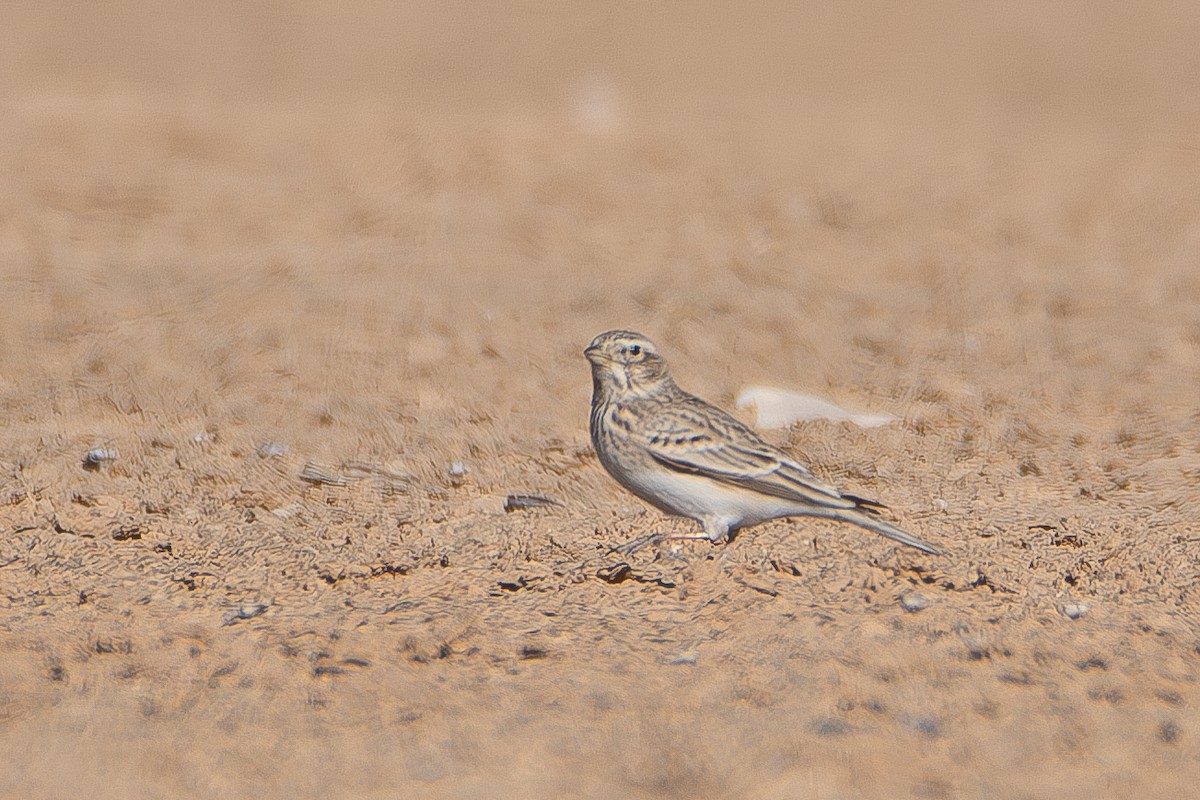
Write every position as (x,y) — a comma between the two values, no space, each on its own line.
(691,459)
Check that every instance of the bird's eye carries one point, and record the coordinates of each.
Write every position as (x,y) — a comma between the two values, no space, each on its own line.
(635,350)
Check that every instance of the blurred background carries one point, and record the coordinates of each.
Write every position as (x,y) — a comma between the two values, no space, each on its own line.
(449,163)
(804,66)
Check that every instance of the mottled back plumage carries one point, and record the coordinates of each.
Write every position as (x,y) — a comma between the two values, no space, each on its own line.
(687,457)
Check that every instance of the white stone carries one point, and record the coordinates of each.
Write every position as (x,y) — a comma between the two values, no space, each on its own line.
(778,408)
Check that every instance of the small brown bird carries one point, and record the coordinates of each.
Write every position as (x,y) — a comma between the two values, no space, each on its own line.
(686,457)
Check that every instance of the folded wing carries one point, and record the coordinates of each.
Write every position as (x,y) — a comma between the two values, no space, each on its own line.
(714,444)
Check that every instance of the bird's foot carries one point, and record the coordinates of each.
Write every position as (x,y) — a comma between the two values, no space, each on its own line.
(634,545)
(688,537)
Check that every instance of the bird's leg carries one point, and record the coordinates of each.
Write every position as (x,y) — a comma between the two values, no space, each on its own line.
(691,537)
(634,545)
(715,530)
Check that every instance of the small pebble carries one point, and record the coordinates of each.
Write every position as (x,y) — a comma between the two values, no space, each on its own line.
(251,610)
(520,502)
(458,472)
(322,475)
(914,602)
(271,450)
(98,455)
(687,659)
(327,670)
(779,408)
(244,611)
(288,511)
(1076,610)
(126,532)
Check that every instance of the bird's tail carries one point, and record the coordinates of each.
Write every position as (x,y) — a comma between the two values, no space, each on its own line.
(864,518)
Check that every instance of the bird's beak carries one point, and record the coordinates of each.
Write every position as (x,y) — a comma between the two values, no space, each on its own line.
(594,355)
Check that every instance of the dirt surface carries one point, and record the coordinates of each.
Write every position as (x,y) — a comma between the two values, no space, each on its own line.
(312,291)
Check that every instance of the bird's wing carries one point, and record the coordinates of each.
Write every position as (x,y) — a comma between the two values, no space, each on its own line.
(693,436)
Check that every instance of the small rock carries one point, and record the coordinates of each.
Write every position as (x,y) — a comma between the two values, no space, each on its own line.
(327,671)
(779,408)
(1076,610)
(513,584)
(520,502)
(322,475)
(271,450)
(124,533)
(685,659)
(288,511)
(457,472)
(615,573)
(914,602)
(244,611)
(93,458)
(251,610)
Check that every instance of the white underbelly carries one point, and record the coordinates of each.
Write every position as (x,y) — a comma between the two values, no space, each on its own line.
(698,497)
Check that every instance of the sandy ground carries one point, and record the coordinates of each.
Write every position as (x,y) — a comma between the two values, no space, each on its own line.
(247,250)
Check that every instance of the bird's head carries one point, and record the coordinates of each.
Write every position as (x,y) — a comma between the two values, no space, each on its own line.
(625,362)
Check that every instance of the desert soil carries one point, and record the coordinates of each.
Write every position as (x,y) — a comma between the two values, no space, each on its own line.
(312,288)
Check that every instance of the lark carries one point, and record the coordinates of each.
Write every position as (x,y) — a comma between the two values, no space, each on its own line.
(688,458)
